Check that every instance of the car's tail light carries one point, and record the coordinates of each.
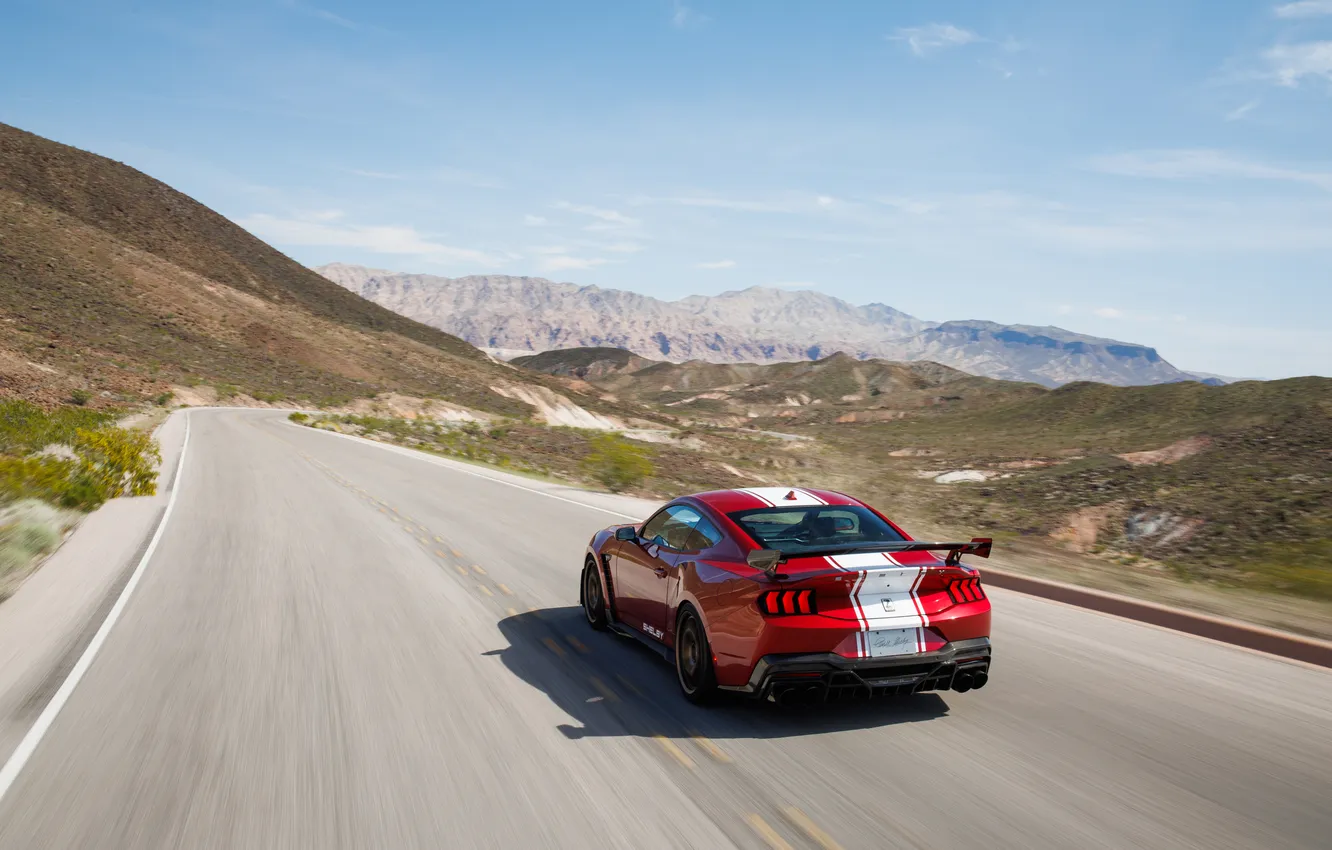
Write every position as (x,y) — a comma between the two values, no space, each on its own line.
(965,590)
(780,603)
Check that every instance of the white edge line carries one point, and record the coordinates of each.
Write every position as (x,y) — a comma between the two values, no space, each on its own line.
(9,773)
(443,462)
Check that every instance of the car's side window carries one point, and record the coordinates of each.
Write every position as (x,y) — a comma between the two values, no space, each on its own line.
(652,529)
(675,532)
(703,536)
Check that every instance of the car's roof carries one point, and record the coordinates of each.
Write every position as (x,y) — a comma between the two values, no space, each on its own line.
(729,501)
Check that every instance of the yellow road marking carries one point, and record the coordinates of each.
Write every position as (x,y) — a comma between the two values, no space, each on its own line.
(678,754)
(710,748)
(577,644)
(439,553)
(395,510)
(484,589)
(479,569)
(504,588)
(604,690)
(810,828)
(633,689)
(439,539)
(456,553)
(383,510)
(553,646)
(462,571)
(425,542)
(511,612)
(767,833)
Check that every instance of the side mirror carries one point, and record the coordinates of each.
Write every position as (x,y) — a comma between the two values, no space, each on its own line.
(764,559)
(628,532)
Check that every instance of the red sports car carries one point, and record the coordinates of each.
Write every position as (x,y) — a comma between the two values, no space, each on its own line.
(791,594)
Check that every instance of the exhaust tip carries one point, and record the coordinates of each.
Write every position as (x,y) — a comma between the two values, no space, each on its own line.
(978,680)
(962,682)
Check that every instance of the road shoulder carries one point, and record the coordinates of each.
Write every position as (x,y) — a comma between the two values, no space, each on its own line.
(47,623)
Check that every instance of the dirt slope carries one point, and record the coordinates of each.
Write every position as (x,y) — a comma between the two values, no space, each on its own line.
(115,283)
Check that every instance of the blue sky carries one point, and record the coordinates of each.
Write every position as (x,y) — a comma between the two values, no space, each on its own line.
(1154,172)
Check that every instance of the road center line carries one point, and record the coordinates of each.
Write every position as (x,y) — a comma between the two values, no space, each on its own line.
(28,745)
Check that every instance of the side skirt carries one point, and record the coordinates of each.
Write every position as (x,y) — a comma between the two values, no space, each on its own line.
(634,634)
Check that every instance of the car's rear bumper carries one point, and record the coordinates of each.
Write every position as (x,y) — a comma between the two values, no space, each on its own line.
(824,677)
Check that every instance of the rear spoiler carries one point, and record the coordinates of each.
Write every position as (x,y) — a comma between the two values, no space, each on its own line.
(769,559)
(979,546)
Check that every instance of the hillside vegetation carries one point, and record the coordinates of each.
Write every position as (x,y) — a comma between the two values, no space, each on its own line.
(1227,484)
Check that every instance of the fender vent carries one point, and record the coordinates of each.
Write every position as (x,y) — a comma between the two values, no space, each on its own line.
(610,589)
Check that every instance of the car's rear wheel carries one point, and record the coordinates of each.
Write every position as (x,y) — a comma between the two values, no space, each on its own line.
(594,601)
(693,659)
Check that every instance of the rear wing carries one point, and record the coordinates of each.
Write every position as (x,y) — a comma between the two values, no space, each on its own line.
(769,559)
(979,546)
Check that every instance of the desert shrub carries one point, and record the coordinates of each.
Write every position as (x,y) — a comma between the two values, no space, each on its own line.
(616,463)
(27,529)
(118,461)
(26,428)
(226,391)
(298,417)
(80,397)
(164,399)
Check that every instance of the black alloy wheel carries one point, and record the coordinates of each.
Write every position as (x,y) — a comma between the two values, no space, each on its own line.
(693,659)
(594,601)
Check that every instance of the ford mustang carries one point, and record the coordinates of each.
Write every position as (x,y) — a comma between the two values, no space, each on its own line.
(791,595)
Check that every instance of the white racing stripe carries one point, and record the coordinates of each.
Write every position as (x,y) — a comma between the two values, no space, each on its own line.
(885,595)
(28,745)
(779,497)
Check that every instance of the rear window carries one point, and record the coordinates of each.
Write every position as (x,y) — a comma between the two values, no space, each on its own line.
(797,530)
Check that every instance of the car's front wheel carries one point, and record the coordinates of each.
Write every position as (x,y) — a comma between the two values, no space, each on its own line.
(693,659)
(594,601)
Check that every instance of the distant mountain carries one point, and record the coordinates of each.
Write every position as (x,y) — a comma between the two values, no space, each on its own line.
(756,325)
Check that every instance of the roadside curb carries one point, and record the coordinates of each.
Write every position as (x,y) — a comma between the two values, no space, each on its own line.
(1270,641)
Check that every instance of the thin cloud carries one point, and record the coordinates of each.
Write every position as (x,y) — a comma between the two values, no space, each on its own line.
(622,247)
(784,204)
(535,220)
(1109,313)
(462,177)
(683,17)
(323,15)
(321,230)
(718,264)
(1304,9)
(738,204)
(1240,111)
(565,262)
(610,217)
(374,175)
(931,37)
(1203,164)
(1291,63)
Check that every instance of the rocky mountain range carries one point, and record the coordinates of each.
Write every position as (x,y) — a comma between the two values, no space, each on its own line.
(519,315)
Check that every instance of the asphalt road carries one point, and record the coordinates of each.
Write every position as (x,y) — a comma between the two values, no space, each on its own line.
(337,645)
